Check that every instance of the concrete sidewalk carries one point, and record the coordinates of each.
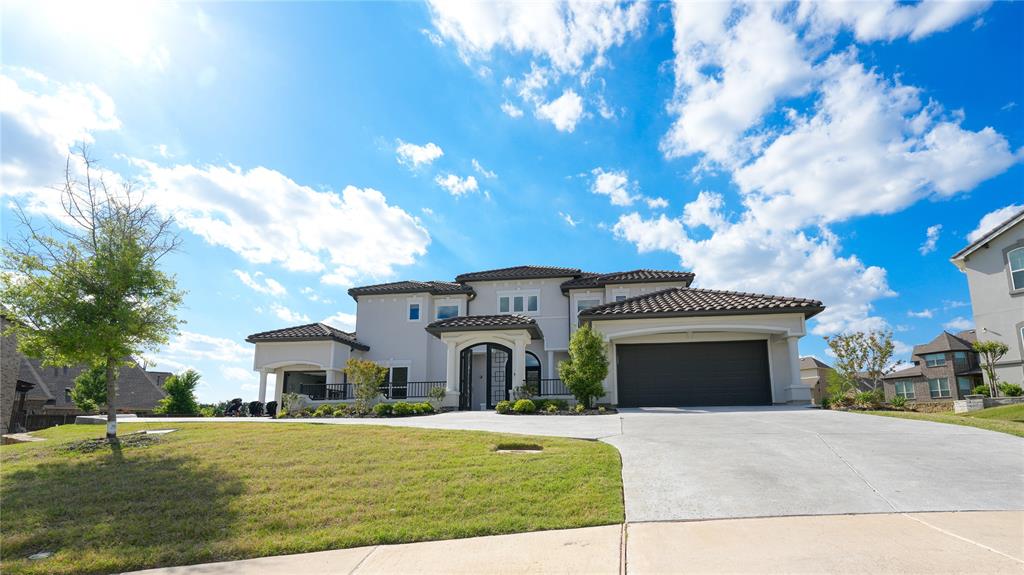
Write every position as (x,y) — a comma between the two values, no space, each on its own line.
(969,542)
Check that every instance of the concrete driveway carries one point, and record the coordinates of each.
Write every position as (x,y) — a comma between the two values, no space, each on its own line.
(768,462)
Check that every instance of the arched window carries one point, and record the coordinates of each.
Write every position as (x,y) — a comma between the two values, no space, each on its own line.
(532,371)
(1016,260)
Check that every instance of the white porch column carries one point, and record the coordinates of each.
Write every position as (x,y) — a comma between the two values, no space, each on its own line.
(332,376)
(551,365)
(798,392)
(451,372)
(263,386)
(278,386)
(519,363)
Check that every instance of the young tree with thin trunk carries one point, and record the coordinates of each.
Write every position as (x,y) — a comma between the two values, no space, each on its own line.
(86,287)
(991,352)
(587,367)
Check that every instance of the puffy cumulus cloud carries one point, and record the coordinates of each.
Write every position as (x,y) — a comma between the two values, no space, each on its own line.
(341,320)
(189,347)
(511,110)
(958,323)
(563,112)
(288,315)
(566,34)
(992,219)
(923,314)
(656,203)
(729,76)
(266,217)
(261,284)
(890,20)
(931,237)
(869,147)
(614,184)
(457,186)
(747,256)
(415,156)
(40,120)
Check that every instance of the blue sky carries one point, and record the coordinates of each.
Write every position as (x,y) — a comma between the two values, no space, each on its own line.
(802,150)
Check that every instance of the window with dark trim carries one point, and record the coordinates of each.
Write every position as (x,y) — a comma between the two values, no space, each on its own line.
(939,387)
(1015,258)
(414,312)
(935,359)
(905,389)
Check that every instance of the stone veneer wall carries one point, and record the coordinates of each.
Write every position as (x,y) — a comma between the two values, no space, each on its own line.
(10,361)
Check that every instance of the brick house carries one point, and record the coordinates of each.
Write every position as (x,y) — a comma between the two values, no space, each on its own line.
(945,369)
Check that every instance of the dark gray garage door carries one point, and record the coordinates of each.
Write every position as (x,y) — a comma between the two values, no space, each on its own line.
(705,373)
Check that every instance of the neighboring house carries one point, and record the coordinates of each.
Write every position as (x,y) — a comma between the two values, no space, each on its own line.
(945,369)
(814,374)
(138,390)
(10,359)
(994,265)
(490,332)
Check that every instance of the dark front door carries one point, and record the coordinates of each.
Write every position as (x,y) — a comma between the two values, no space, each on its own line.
(499,374)
(693,374)
(466,379)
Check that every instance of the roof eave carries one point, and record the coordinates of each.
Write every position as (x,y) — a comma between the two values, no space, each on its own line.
(351,344)
(808,313)
(961,256)
(534,330)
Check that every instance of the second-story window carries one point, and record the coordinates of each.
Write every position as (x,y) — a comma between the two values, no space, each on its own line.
(447,311)
(1016,261)
(519,303)
(935,359)
(414,312)
(582,304)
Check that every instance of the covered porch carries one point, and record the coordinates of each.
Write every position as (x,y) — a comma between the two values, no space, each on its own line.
(488,360)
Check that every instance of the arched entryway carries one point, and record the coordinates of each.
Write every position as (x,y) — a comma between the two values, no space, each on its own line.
(533,372)
(495,362)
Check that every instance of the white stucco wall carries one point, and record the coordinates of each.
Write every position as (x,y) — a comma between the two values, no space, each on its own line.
(998,309)
(552,314)
(774,329)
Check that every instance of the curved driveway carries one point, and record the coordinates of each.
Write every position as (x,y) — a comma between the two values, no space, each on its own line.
(684,464)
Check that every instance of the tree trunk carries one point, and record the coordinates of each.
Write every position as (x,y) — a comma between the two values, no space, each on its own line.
(111,399)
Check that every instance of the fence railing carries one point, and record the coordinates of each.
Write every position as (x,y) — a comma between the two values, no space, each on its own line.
(553,387)
(342,391)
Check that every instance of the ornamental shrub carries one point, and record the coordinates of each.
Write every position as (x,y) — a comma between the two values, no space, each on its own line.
(402,409)
(383,409)
(181,397)
(580,408)
(899,402)
(601,410)
(524,406)
(551,408)
(424,407)
(325,410)
(1010,389)
(503,406)
(341,410)
(981,390)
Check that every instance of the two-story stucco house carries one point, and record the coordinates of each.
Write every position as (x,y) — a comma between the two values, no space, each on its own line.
(994,265)
(489,332)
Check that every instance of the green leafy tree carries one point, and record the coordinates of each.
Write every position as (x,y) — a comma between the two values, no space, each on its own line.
(860,355)
(991,352)
(587,366)
(366,378)
(181,396)
(87,287)
(90,391)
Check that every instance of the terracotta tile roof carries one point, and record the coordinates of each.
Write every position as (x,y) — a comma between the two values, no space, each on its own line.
(519,273)
(632,276)
(685,302)
(412,286)
(308,332)
(485,323)
(945,341)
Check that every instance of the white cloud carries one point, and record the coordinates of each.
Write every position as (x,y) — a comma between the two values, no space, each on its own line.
(569,219)
(255,213)
(457,186)
(777,261)
(958,323)
(189,346)
(925,313)
(483,171)
(285,314)
(615,185)
(269,286)
(992,219)
(40,120)
(890,20)
(511,109)
(415,156)
(656,203)
(953,304)
(434,38)
(566,34)
(341,320)
(313,295)
(931,238)
(564,112)
(240,375)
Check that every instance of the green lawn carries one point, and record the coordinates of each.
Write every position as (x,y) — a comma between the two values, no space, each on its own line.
(1004,419)
(213,492)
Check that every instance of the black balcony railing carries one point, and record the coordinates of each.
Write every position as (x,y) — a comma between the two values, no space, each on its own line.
(405,390)
(327,391)
(553,387)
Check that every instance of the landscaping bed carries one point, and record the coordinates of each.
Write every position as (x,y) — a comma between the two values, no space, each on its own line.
(548,407)
(222,491)
(381,410)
